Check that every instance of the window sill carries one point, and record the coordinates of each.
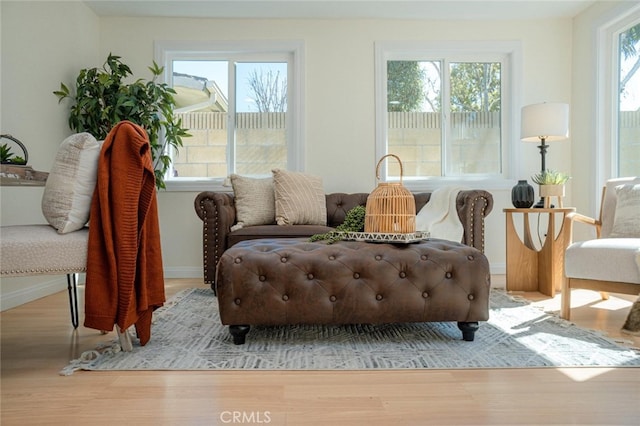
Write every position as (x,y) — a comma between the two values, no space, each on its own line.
(196,185)
(427,185)
(487,184)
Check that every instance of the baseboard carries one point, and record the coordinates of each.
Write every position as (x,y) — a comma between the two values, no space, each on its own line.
(498,268)
(32,291)
(184,272)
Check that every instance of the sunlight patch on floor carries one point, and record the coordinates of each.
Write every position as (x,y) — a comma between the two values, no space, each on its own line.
(584,373)
(613,304)
(580,298)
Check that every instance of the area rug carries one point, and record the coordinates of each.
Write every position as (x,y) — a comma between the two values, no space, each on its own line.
(187,335)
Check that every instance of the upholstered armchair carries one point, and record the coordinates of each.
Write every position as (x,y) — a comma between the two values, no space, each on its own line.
(611,261)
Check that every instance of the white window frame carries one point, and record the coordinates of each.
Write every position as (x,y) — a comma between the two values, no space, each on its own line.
(605,151)
(509,53)
(168,51)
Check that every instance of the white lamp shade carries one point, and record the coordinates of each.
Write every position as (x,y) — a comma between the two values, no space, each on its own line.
(546,120)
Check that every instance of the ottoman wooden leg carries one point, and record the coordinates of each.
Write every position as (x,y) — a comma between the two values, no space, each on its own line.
(468,330)
(239,332)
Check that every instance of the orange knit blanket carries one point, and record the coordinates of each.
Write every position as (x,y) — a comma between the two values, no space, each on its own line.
(125,281)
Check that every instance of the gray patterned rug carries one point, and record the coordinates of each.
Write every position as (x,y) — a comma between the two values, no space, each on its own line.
(187,335)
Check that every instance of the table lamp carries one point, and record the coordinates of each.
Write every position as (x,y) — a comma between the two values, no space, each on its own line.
(544,122)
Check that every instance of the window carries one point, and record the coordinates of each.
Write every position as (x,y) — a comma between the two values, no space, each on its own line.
(627,46)
(444,110)
(240,101)
(617,126)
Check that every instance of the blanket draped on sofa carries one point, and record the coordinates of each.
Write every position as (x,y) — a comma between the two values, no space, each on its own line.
(125,281)
(439,216)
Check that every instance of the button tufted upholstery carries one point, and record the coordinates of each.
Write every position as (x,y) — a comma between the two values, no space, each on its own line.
(293,281)
(218,215)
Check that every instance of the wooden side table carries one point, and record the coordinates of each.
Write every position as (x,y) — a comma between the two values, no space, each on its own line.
(536,269)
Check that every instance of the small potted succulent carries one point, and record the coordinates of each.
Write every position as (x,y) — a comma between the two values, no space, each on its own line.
(551,183)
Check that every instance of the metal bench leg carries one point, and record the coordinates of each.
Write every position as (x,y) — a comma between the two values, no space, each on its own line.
(72,287)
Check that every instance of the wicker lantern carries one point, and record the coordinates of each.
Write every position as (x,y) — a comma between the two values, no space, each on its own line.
(391,208)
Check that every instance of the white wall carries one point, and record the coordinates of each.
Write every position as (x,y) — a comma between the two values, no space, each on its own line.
(585,103)
(339,110)
(43,43)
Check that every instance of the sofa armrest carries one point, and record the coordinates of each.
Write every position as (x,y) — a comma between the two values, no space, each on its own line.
(473,206)
(218,213)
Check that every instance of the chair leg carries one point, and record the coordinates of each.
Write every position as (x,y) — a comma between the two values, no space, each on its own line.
(565,301)
(72,288)
(604,295)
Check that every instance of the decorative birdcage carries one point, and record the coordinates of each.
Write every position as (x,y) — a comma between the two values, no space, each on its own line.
(391,208)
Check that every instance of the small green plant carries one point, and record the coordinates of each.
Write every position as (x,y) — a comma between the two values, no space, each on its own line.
(550,177)
(102,100)
(353,222)
(8,157)
(5,153)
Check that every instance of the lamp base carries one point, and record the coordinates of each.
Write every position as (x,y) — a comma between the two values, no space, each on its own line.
(540,204)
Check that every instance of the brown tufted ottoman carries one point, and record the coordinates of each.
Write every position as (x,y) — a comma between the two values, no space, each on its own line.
(292,281)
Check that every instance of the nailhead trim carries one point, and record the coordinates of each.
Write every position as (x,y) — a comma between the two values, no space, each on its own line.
(42,271)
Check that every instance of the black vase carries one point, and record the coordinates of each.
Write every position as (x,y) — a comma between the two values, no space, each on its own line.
(522,195)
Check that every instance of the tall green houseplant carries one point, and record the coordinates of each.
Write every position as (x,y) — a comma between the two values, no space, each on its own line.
(102,99)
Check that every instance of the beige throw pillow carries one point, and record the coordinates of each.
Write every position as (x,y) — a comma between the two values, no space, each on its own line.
(300,198)
(626,222)
(254,200)
(66,200)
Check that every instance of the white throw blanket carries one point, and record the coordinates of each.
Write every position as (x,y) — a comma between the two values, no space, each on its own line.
(439,216)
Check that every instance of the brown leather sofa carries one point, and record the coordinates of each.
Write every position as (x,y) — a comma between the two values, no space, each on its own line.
(218,214)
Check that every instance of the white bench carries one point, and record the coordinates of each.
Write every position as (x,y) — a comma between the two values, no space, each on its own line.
(27,250)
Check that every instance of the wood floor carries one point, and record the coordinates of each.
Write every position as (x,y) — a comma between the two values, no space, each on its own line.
(38,340)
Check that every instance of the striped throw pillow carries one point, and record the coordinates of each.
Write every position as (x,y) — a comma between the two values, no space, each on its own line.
(299,198)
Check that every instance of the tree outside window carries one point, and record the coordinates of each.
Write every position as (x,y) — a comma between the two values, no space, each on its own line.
(628,110)
(444,123)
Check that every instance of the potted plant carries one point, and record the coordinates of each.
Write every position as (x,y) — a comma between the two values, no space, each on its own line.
(8,157)
(102,99)
(551,183)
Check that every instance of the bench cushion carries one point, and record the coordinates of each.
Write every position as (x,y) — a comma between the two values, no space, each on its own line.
(276,231)
(40,250)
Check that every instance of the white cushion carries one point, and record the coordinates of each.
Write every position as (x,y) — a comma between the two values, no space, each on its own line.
(66,200)
(609,202)
(254,200)
(626,222)
(607,259)
(300,198)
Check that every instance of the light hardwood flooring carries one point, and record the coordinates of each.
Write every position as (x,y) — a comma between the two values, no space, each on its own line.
(38,340)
